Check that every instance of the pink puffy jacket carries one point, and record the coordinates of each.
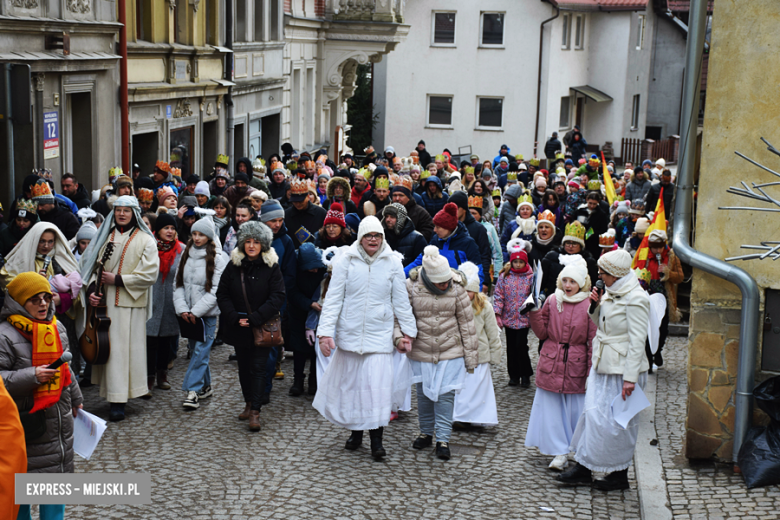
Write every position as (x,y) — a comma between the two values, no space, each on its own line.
(564,362)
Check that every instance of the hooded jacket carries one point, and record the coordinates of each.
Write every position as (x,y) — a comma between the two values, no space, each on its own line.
(498,157)
(246,162)
(507,212)
(82,198)
(434,205)
(408,241)
(457,248)
(577,148)
(349,206)
(285,250)
(52,452)
(637,189)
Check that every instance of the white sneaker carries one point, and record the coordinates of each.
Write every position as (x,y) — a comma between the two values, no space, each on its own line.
(559,462)
(191,401)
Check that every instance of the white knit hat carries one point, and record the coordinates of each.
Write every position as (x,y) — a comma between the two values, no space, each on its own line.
(575,268)
(471,271)
(368,225)
(202,188)
(617,263)
(436,267)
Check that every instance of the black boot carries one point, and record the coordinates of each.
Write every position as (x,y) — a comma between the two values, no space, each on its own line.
(312,382)
(658,358)
(117,412)
(297,388)
(616,480)
(377,451)
(443,450)
(577,474)
(525,382)
(422,441)
(355,440)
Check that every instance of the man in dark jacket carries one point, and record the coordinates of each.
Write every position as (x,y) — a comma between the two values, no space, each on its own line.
(420,218)
(553,145)
(476,230)
(425,157)
(651,199)
(303,219)
(400,233)
(76,192)
(453,240)
(434,198)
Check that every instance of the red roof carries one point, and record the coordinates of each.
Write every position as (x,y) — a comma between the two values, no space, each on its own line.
(684,6)
(602,5)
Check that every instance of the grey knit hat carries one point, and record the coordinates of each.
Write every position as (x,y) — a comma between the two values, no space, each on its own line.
(399,211)
(257,231)
(204,225)
(87,231)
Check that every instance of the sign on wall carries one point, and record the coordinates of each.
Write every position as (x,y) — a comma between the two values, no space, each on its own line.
(51,135)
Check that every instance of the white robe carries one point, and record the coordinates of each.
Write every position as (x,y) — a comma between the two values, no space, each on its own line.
(124,376)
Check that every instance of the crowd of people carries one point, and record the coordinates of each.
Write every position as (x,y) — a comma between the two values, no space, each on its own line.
(383,273)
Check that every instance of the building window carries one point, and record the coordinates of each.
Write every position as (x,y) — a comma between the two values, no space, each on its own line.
(240,21)
(489,112)
(493,29)
(275,20)
(143,20)
(640,31)
(444,29)
(635,113)
(440,110)
(566,38)
(259,20)
(565,118)
(579,32)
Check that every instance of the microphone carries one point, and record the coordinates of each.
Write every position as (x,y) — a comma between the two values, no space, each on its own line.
(46,264)
(658,258)
(66,357)
(600,289)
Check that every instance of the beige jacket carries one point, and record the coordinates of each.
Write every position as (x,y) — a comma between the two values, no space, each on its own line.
(445,324)
(488,335)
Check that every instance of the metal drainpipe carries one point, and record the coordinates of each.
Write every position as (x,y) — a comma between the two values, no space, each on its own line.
(539,78)
(231,109)
(123,102)
(749,322)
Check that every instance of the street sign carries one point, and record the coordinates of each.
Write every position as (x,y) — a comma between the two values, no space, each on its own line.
(168,111)
(51,135)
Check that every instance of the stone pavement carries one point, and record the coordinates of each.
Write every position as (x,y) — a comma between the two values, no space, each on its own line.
(205,464)
(699,489)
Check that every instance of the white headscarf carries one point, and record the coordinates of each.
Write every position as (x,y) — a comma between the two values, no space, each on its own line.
(22,257)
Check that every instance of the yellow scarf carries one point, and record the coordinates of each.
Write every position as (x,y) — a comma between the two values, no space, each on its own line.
(46,349)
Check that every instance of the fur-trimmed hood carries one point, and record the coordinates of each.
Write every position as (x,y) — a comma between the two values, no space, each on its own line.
(336,181)
(269,257)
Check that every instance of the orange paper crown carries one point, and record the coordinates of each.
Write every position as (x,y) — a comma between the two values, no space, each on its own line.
(41,189)
(309,164)
(145,195)
(299,187)
(176,172)
(475,202)
(548,216)
(606,240)
(163,166)
(407,182)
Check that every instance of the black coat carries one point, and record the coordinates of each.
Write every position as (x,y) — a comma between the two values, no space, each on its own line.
(539,251)
(425,158)
(64,219)
(378,204)
(423,222)
(551,268)
(82,198)
(9,237)
(300,300)
(264,289)
(480,236)
(323,243)
(348,205)
(651,199)
(598,221)
(311,220)
(553,145)
(409,242)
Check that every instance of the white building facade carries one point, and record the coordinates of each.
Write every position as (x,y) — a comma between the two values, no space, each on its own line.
(470,74)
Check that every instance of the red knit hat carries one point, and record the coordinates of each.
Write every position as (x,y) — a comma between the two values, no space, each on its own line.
(519,255)
(335,215)
(447,218)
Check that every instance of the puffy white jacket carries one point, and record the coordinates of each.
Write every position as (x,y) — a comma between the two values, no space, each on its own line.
(192,296)
(363,300)
(619,345)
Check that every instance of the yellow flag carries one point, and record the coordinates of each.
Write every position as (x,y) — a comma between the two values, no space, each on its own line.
(608,186)
(659,222)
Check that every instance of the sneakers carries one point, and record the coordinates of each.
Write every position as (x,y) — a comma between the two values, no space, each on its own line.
(191,402)
(559,462)
(422,441)
(443,450)
(205,392)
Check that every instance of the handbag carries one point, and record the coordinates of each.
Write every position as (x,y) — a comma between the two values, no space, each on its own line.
(270,333)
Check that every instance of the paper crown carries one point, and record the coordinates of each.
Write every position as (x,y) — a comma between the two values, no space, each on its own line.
(365,172)
(145,195)
(292,165)
(470,169)
(475,202)
(560,157)
(594,185)
(176,172)
(394,179)
(165,192)
(397,160)
(546,216)
(425,174)
(25,206)
(534,162)
(368,150)
(607,240)
(163,166)
(223,159)
(114,172)
(637,207)
(41,190)
(299,187)
(519,157)
(44,173)
(575,230)
(441,157)
(525,200)
(594,161)
(382,183)
(309,164)
(258,165)
(276,165)
(511,176)
(406,182)
(497,192)
(643,275)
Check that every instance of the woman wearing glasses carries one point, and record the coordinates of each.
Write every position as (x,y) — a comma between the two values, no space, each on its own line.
(366,293)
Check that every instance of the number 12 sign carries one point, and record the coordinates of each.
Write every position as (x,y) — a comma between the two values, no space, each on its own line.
(51,135)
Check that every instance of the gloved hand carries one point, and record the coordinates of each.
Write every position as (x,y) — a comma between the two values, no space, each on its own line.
(310,337)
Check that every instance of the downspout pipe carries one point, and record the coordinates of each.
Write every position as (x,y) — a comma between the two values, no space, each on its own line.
(683,212)
(231,108)
(539,77)
(123,102)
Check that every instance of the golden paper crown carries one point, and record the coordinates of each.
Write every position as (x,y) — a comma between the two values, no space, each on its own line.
(365,172)
(41,189)
(644,275)
(299,187)
(547,216)
(560,157)
(519,157)
(114,172)
(27,205)
(525,198)
(223,159)
(258,165)
(534,162)
(575,230)
(145,195)
(497,192)
(594,185)
(469,169)
(475,202)
(511,176)
(163,166)
(382,183)
(425,174)
(292,166)
(441,157)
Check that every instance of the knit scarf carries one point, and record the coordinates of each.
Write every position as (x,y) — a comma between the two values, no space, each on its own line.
(525,226)
(544,242)
(46,349)
(651,263)
(561,298)
(430,286)
(219,223)
(167,252)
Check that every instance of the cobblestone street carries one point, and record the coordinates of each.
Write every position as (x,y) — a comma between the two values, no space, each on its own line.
(205,464)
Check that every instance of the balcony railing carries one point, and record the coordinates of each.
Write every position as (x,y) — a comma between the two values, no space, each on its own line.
(367,10)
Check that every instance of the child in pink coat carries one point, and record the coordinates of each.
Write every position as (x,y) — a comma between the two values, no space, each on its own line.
(515,283)
(567,331)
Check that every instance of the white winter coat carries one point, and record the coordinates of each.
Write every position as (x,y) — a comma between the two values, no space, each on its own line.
(192,296)
(619,345)
(362,301)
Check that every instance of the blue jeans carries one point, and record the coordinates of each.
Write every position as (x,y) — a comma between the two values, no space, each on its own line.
(436,415)
(48,512)
(198,373)
(270,369)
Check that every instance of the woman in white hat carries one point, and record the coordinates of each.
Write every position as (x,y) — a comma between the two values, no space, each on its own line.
(619,364)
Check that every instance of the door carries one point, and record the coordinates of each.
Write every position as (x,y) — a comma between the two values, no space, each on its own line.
(255,139)
(181,150)
(79,138)
(144,152)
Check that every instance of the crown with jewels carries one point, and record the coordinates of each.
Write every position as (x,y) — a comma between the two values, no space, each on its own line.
(223,159)
(525,198)
(163,166)
(637,207)
(643,275)
(497,192)
(394,179)
(475,202)
(114,172)
(41,189)
(546,216)
(145,195)
(382,183)
(534,162)
(575,230)
(511,176)
(365,172)
(309,164)
(44,173)
(406,182)
(24,206)
(176,172)
(594,185)
(299,187)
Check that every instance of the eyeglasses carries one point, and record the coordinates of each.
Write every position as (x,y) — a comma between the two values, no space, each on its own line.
(373,237)
(37,300)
